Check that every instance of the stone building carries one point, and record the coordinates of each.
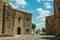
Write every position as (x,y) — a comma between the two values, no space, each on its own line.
(1,15)
(23,22)
(13,21)
(50,25)
(57,16)
(38,31)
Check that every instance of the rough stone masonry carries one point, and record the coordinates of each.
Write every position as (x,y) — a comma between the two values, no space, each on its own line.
(13,21)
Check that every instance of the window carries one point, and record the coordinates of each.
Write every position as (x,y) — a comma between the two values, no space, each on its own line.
(59,9)
(54,10)
(3,27)
(4,8)
(9,14)
(27,30)
(19,19)
(58,17)
(46,21)
(52,19)
(27,19)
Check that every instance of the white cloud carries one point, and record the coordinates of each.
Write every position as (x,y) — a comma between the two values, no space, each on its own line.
(41,18)
(39,10)
(40,25)
(51,0)
(38,0)
(21,2)
(30,11)
(43,13)
(48,0)
(18,3)
(44,0)
(47,5)
(13,6)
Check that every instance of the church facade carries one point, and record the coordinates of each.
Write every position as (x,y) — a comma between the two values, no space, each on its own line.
(13,21)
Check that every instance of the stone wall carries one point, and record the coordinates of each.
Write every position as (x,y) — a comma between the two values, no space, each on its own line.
(57,16)
(1,15)
(11,19)
(23,24)
(50,25)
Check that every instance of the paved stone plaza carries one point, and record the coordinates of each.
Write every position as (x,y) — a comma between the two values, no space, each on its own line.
(30,37)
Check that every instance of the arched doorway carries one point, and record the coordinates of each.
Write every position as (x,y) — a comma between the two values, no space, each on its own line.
(18,30)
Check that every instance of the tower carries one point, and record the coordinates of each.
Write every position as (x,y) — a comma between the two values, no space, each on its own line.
(57,16)
(6,18)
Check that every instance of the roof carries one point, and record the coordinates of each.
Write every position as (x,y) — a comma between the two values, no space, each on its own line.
(6,3)
(49,16)
(21,11)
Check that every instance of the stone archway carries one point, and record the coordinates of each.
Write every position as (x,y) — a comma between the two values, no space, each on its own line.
(18,30)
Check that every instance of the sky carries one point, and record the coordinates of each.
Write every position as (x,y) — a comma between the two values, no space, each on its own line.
(38,8)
